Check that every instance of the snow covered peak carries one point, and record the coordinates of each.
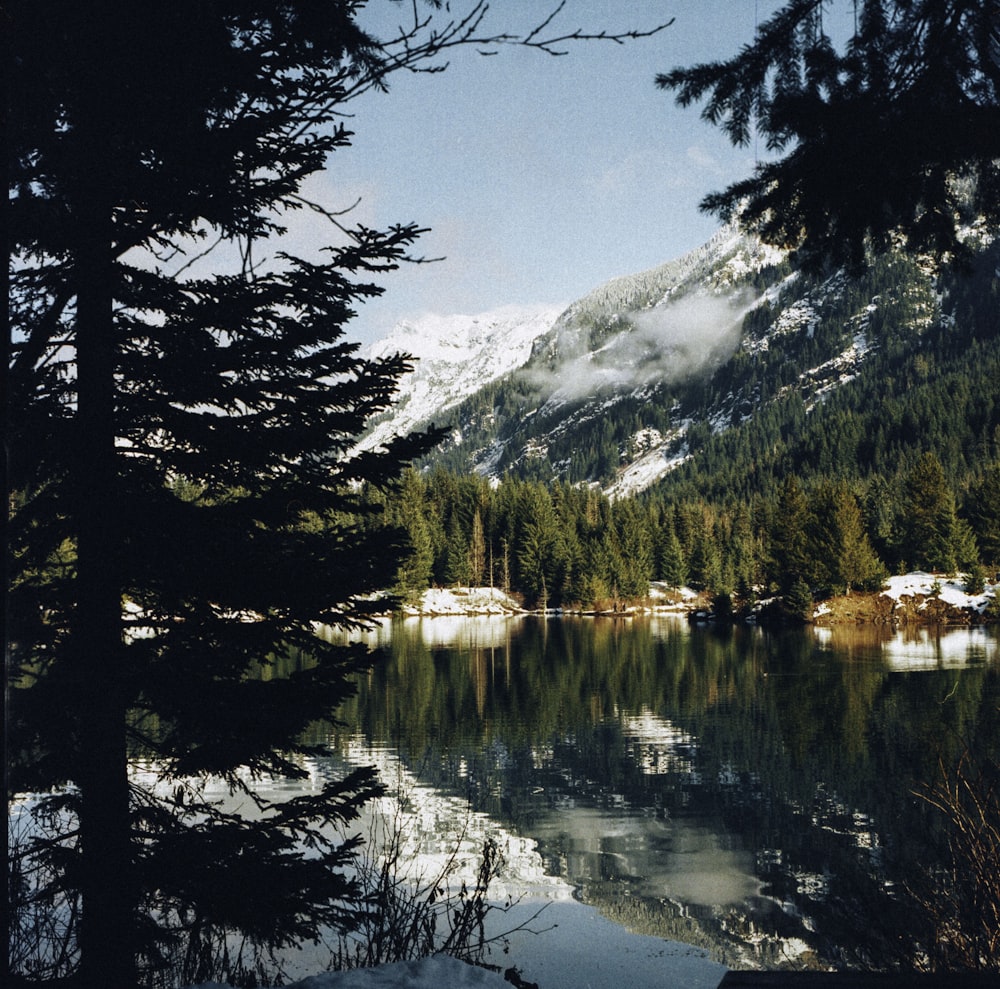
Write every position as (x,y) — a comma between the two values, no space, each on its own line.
(504,334)
(455,356)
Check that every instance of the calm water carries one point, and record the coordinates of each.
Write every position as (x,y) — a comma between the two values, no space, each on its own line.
(749,792)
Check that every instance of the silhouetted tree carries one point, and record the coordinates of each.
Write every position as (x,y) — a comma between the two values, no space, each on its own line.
(895,133)
(180,427)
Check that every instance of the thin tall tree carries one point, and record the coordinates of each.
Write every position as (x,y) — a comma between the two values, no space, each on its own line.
(182,410)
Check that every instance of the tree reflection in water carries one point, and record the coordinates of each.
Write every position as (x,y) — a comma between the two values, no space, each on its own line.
(748,791)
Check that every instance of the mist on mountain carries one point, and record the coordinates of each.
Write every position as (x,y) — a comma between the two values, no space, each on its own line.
(667,342)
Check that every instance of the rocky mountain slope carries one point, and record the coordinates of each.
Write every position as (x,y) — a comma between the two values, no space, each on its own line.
(455,356)
(650,372)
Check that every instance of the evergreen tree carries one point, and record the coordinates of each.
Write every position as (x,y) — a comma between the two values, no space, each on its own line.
(983,510)
(413,575)
(792,560)
(671,565)
(456,553)
(536,542)
(931,538)
(843,555)
(635,549)
(139,136)
(477,550)
(896,133)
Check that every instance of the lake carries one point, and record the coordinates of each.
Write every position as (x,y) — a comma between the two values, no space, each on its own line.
(750,792)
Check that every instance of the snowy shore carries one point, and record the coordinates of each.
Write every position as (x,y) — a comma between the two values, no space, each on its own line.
(906,599)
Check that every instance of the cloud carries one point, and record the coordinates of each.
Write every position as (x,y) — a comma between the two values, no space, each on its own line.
(704,160)
(666,343)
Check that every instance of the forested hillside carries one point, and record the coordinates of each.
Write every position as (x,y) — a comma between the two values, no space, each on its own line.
(851,430)
(830,374)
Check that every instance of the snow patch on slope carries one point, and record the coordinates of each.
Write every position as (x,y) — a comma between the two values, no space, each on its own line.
(454,357)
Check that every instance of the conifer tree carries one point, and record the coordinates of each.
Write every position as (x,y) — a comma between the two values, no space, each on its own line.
(931,536)
(536,542)
(984,514)
(895,133)
(408,511)
(671,566)
(477,550)
(636,559)
(842,552)
(180,426)
(792,561)
(456,552)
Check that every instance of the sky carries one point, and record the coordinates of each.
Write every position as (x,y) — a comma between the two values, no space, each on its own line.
(540,177)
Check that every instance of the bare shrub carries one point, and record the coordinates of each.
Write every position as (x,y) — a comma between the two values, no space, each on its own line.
(42,914)
(409,915)
(962,900)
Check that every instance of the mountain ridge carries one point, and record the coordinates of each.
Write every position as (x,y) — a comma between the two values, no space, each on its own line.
(726,356)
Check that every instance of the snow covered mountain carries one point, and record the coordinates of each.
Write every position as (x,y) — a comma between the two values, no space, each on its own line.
(454,357)
(721,360)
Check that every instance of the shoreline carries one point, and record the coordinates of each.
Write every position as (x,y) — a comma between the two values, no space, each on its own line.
(914,599)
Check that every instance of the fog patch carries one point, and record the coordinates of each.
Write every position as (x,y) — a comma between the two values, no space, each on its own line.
(672,341)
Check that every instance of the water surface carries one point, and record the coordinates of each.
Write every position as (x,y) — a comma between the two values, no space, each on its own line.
(751,792)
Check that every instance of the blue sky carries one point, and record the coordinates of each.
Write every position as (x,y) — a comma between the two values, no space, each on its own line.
(540,177)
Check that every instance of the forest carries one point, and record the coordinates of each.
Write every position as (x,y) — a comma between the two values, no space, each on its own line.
(779,488)
(566,545)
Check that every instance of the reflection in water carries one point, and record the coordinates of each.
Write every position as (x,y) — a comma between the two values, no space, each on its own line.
(915,648)
(746,791)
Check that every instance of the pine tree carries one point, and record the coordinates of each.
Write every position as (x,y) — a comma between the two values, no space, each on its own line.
(671,565)
(536,542)
(930,535)
(180,426)
(477,550)
(983,510)
(126,376)
(636,549)
(456,553)
(841,549)
(792,560)
(414,573)
(896,133)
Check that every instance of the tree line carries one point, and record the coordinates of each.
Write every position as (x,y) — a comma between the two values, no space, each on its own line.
(569,545)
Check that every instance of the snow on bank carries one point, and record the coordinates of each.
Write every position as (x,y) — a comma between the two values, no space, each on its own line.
(456,602)
(464,601)
(949,589)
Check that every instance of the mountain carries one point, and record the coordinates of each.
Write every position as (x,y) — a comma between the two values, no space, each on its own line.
(454,356)
(719,372)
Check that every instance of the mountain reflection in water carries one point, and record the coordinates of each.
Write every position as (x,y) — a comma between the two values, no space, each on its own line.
(745,791)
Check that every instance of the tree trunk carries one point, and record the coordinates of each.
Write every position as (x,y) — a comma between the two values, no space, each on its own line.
(107,926)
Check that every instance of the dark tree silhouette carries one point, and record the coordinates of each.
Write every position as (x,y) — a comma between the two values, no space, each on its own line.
(182,406)
(895,135)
